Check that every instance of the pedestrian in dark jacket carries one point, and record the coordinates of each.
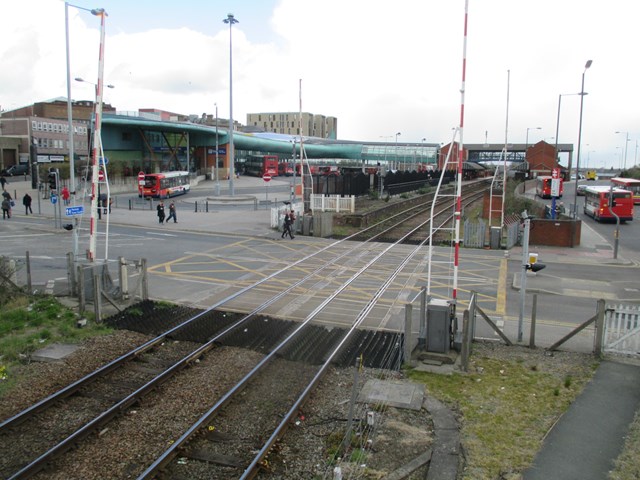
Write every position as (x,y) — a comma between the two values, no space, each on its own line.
(6,208)
(172,213)
(160,209)
(26,201)
(286,227)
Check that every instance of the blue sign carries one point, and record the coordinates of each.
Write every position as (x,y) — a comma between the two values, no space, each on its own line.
(71,211)
(103,160)
(54,198)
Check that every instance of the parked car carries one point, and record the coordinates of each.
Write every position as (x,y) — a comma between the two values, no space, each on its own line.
(15,170)
(581,189)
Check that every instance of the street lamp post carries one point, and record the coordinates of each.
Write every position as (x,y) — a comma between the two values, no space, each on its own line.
(396,149)
(558,126)
(626,143)
(97,141)
(575,191)
(526,146)
(217,191)
(231,20)
(72,168)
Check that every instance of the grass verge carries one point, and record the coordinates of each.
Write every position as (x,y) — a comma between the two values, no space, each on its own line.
(31,323)
(507,404)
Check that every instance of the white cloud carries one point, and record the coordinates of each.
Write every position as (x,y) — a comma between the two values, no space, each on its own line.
(380,67)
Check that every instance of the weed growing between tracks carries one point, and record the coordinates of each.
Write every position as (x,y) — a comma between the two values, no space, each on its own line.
(507,403)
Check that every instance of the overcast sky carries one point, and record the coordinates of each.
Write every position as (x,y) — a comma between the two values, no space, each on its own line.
(380,67)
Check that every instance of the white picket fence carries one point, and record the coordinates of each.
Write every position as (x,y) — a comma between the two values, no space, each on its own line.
(622,329)
(333,203)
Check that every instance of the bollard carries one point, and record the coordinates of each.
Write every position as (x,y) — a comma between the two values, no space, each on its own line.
(29,284)
(206,206)
(532,330)
(196,206)
(130,204)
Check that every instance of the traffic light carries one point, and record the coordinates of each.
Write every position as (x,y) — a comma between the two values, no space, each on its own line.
(53,180)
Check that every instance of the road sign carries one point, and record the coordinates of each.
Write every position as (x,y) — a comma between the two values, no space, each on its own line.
(100,176)
(555,187)
(54,198)
(555,173)
(71,211)
(266,177)
(140,179)
(103,160)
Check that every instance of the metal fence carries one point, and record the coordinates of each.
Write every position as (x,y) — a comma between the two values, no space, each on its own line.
(474,233)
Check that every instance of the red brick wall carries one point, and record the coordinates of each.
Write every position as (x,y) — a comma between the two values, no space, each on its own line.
(555,233)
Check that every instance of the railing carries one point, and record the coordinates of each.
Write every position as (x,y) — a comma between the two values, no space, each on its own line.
(333,203)
(622,329)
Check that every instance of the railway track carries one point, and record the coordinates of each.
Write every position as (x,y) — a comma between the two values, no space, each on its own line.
(161,354)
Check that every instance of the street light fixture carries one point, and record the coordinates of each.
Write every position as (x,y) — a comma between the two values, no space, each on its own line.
(230,20)
(396,150)
(626,143)
(558,125)
(526,146)
(72,168)
(575,192)
(216,170)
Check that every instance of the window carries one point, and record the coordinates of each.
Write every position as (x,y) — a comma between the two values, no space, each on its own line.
(34,125)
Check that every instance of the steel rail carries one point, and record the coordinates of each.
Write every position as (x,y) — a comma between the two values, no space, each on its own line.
(163,460)
(134,397)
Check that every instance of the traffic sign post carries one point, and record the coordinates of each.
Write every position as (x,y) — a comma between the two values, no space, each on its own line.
(140,182)
(555,190)
(73,211)
(267,178)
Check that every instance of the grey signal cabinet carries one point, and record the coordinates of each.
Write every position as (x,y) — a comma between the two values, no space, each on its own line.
(438,326)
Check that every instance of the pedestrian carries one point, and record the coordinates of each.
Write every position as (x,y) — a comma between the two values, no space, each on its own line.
(160,209)
(26,201)
(6,208)
(3,182)
(64,193)
(172,213)
(286,227)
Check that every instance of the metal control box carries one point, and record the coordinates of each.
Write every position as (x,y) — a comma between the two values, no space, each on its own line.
(438,326)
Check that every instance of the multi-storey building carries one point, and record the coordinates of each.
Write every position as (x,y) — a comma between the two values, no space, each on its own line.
(288,123)
(45,126)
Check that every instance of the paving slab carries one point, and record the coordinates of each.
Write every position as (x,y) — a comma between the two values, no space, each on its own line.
(54,352)
(398,394)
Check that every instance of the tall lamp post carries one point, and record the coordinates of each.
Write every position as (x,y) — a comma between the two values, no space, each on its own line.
(626,143)
(216,169)
(526,145)
(231,20)
(396,162)
(575,191)
(72,168)
(558,126)
(97,141)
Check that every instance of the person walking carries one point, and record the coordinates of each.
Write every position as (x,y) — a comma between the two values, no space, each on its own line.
(160,209)
(172,213)
(6,208)
(26,201)
(64,193)
(3,182)
(286,227)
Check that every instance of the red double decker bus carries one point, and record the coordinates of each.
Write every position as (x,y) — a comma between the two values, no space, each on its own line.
(259,165)
(601,203)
